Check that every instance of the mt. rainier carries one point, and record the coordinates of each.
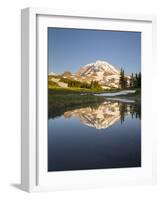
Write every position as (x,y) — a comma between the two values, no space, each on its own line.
(101,71)
(99,67)
(104,73)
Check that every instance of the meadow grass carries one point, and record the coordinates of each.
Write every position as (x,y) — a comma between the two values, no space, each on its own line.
(64,97)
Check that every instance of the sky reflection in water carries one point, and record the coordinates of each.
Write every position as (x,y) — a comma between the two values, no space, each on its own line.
(106,135)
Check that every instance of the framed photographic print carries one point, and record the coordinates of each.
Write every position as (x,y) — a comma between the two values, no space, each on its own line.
(86,114)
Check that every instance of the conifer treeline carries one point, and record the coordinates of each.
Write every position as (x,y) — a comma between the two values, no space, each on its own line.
(78,84)
(133,82)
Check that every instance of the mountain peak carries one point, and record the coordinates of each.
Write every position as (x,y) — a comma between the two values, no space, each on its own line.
(101,62)
(98,67)
(101,71)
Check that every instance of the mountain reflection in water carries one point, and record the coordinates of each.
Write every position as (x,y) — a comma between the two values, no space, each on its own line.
(105,114)
(96,136)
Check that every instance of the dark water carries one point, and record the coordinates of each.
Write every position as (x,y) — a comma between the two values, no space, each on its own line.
(105,135)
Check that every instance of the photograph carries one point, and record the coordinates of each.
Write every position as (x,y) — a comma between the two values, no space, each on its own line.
(94,99)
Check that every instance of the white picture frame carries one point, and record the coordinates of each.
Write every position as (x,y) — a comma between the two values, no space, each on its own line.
(34,22)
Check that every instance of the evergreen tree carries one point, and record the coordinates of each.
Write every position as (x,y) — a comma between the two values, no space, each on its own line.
(123,80)
(136,81)
(139,80)
(132,81)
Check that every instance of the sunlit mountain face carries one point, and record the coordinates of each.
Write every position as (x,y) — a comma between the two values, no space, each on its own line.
(103,116)
(105,73)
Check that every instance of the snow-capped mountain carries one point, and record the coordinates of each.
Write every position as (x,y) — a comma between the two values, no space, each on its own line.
(106,74)
(103,72)
(98,68)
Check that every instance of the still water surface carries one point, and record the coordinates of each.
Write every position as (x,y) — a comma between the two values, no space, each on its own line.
(105,135)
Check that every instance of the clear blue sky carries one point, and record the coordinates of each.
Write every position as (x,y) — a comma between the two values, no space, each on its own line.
(70,49)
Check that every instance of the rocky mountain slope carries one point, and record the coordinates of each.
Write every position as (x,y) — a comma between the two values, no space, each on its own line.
(104,73)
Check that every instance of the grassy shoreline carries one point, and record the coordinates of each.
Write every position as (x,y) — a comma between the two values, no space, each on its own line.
(72,90)
(69,97)
(61,100)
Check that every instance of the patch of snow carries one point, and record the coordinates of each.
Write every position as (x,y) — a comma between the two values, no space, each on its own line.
(112,94)
(52,74)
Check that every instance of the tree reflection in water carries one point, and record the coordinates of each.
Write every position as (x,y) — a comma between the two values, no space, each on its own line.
(134,109)
(105,114)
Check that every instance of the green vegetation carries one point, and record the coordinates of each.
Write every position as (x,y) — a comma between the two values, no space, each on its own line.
(76,95)
(123,80)
(52,84)
(80,94)
(61,100)
(78,84)
(72,90)
(134,82)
